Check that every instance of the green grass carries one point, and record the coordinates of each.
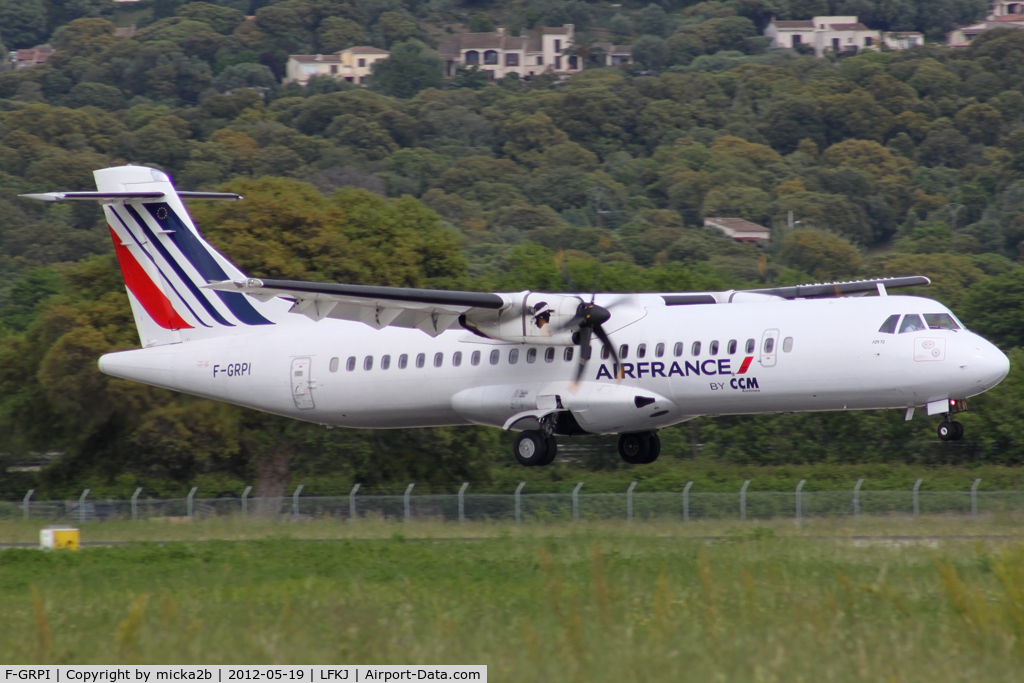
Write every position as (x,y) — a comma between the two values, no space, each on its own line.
(607,602)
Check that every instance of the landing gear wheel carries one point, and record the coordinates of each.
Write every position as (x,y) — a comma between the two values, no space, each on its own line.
(530,448)
(551,445)
(947,432)
(635,448)
(958,431)
(654,444)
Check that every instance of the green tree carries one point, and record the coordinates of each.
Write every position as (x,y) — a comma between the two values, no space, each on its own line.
(412,67)
(651,52)
(824,256)
(994,308)
(22,23)
(223,20)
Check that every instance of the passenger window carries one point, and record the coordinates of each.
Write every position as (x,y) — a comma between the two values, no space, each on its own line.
(713,348)
(531,355)
(659,350)
(641,351)
(513,356)
(474,359)
(605,353)
(368,363)
(940,321)
(549,354)
(889,326)
(750,346)
(385,362)
(334,364)
(695,349)
(457,358)
(438,359)
(677,350)
(769,345)
(403,361)
(350,364)
(421,360)
(787,344)
(911,323)
(495,356)
(567,356)
(624,352)
(732,347)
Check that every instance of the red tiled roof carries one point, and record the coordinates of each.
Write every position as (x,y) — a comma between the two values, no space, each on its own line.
(736,224)
(365,50)
(849,27)
(795,24)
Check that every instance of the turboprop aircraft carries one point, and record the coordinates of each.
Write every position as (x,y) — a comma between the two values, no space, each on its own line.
(389,357)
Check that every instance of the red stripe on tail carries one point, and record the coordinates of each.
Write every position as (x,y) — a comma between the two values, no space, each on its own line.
(745,365)
(156,303)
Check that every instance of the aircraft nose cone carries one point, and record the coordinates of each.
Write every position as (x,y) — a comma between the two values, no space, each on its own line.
(988,365)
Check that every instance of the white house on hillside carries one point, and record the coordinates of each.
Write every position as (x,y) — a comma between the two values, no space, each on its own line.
(351,64)
(841,35)
(499,54)
(1005,14)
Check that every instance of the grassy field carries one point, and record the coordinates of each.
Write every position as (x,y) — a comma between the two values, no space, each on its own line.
(649,602)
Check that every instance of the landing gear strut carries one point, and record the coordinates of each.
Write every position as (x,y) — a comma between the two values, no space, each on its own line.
(639,448)
(951,431)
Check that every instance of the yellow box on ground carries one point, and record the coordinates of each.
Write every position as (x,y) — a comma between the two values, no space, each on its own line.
(54,537)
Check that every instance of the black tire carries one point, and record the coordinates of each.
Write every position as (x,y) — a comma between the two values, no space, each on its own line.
(551,453)
(654,444)
(958,431)
(635,448)
(946,431)
(530,448)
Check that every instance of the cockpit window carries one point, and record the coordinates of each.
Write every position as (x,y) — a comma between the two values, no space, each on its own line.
(940,321)
(889,326)
(911,323)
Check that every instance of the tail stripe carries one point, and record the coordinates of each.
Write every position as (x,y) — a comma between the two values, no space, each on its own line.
(176,267)
(203,261)
(138,282)
(150,257)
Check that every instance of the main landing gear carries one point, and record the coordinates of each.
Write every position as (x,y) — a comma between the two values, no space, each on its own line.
(537,447)
(640,448)
(951,431)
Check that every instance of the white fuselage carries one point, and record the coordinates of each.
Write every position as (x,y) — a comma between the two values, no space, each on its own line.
(826,354)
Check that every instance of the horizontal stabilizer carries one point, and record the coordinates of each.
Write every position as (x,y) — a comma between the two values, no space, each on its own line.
(111,197)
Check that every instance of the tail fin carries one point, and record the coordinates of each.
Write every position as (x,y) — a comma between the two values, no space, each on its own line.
(166,262)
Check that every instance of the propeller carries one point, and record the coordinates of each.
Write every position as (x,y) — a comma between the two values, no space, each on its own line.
(590,319)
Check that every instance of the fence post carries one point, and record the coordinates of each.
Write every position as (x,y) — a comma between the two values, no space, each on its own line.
(352,503)
(917,485)
(576,502)
(135,503)
(686,501)
(743,499)
(856,498)
(974,500)
(408,507)
(295,502)
(245,501)
(799,501)
(191,495)
(519,490)
(27,502)
(81,505)
(629,502)
(462,502)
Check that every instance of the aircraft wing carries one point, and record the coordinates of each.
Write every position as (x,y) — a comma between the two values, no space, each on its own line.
(430,310)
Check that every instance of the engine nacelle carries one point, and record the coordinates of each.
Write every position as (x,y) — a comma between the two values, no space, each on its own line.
(530,317)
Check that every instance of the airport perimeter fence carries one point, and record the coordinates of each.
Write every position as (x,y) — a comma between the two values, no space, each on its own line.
(537,507)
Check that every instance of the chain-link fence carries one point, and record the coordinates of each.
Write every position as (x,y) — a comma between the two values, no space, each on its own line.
(537,507)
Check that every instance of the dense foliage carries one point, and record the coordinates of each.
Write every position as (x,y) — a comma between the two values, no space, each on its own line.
(889,163)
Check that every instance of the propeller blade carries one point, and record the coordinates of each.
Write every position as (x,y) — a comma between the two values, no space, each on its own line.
(606,340)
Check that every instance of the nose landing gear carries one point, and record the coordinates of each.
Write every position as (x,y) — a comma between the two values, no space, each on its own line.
(951,431)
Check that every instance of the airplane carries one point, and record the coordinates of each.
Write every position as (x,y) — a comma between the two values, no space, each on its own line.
(390,357)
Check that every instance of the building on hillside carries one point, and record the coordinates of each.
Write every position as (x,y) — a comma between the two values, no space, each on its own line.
(842,35)
(739,229)
(1003,14)
(352,64)
(29,57)
(902,40)
(499,54)
(615,55)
